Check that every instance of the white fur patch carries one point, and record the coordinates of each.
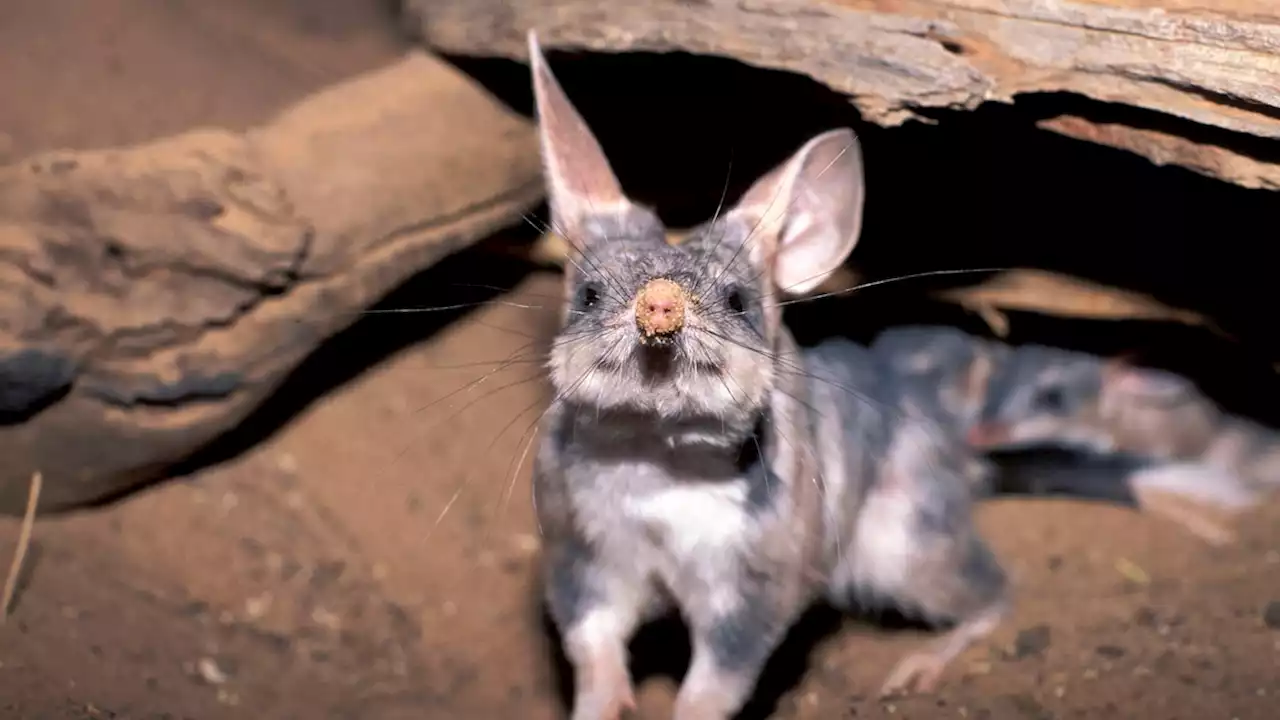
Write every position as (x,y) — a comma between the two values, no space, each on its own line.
(1196,481)
(885,541)
(884,546)
(696,518)
(600,631)
(1037,430)
(921,361)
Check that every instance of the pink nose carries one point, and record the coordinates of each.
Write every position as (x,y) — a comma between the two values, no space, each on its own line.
(984,434)
(661,310)
(660,307)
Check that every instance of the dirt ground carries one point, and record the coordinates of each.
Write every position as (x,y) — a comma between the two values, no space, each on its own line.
(308,577)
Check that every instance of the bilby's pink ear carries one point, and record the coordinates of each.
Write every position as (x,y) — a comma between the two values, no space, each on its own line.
(1120,378)
(807,212)
(580,181)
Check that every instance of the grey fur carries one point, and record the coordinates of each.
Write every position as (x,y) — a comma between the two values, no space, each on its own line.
(943,367)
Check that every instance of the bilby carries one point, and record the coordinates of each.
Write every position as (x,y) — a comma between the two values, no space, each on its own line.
(694,458)
(1209,464)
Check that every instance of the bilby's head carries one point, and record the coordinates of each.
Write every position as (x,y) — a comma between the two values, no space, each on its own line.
(685,331)
(1046,396)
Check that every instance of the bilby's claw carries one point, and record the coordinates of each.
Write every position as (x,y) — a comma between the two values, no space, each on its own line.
(920,672)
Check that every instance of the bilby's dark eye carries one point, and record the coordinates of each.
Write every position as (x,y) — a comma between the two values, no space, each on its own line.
(588,295)
(1052,399)
(736,301)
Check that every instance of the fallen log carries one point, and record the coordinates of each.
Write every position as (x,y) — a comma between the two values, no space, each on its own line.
(153,296)
(1218,68)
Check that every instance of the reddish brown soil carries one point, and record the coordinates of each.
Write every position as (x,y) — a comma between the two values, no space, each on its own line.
(307,578)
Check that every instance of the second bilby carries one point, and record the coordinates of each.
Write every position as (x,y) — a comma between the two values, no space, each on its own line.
(1209,461)
(948,371)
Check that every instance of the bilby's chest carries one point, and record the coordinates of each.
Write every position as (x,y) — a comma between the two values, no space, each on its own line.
(642,514)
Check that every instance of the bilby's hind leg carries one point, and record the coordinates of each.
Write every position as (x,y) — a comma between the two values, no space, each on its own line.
(916,547)
(962,585)
(1201,498)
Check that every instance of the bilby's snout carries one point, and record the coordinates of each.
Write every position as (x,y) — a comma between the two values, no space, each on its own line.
(660,309)
(986,434)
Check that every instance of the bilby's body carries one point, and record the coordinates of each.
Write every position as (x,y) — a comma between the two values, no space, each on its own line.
(694,458)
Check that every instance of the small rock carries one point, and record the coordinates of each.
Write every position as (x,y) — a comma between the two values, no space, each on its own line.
(230,500)
(526,543)
(326,619)
(209,671)
(326,573)
(1031,641)
(1111,652)
(256,607)
(1132,572)
(1203,663)
(1146,617)
(287,463)
(1271,615)
(1029,707)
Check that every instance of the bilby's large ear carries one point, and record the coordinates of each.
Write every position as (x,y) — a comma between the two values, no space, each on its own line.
(808,211)
(1122,381)
(580,182)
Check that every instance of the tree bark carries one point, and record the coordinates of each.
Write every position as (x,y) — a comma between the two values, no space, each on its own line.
(153,296)
(1214,68)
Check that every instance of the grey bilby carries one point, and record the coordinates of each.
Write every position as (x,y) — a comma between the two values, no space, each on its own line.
(693,457)
(1209,464)
(949,371)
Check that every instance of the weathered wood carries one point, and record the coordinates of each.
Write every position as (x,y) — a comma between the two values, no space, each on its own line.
(1164,148)
(1216,64)
(152,296)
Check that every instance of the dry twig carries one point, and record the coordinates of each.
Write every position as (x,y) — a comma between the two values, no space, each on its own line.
(24,541)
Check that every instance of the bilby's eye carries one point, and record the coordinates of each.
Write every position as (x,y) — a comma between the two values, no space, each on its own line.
(735,299)
(588,295)
(1052,399)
